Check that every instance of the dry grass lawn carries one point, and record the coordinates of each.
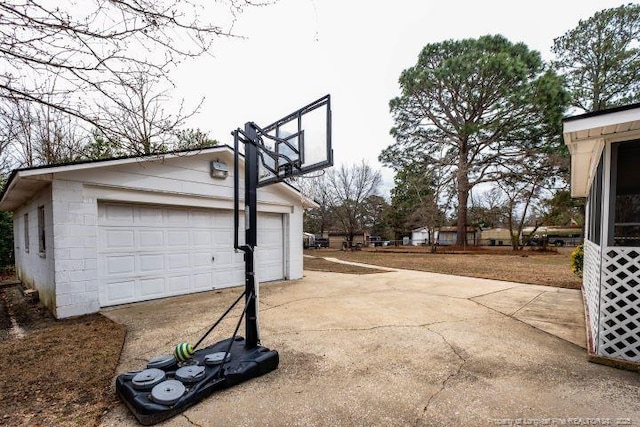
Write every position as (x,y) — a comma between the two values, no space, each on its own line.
(55,372)
(321,264)
(534,267)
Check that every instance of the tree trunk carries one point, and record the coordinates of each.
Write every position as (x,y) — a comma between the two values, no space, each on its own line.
(461,238)
(463,196)
(515,244)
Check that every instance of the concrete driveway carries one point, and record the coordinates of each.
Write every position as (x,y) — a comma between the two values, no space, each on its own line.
(396,349)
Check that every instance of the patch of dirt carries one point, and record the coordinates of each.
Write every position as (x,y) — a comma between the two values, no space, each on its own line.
(534,267)
(321,264)
(60,372)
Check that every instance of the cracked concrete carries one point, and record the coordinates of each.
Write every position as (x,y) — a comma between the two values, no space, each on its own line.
(394,349)
(444,383)
(191,423)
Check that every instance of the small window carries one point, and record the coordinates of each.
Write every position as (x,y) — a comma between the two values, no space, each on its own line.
(26,232)
(42,246)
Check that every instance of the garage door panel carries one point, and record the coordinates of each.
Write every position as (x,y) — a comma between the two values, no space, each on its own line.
(272,238)
(119,239)
(223,237)
(177,217)
(200,219)
(121,292)
(152,287)
(148,216)
(202,259)
(178,284)
(156,251)
(177,261)
(222,220)
(202,281)
(148,239)
(122,214)
(269,254)
(150,263)
(201,238)
(228,277)
(123,264)
(223,259)
(177,238)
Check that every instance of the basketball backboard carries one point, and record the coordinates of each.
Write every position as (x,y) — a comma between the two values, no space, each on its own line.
(296,144)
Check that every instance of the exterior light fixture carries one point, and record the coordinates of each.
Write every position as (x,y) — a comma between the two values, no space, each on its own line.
(219,169)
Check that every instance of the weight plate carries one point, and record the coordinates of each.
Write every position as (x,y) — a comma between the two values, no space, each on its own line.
(216,358)
(168,392)
(190,374)
(161,362)
(148,378)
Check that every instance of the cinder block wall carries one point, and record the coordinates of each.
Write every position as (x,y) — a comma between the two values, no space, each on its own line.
(34,268)
(75,219)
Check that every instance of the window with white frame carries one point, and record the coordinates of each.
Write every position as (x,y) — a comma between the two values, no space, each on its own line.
(26,232)
(624,229)
(42,243)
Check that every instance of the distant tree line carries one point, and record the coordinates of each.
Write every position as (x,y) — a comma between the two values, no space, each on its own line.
(349,201)
(477,125)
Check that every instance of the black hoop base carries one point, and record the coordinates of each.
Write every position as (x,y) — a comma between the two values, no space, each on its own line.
(243,365)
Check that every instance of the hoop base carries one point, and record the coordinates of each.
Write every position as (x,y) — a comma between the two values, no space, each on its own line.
(243,365)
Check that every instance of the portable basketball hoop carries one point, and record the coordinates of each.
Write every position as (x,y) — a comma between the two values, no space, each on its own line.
(297,144)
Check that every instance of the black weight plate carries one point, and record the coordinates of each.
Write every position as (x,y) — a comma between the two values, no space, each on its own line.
(216,358)
(148,378)
(168,392)
(190,374)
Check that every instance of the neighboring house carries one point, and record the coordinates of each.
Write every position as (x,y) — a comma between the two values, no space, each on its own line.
(495,237)
(308,240)
(337,239)
(448,235)
(100,233)
(422,236)
(605,168)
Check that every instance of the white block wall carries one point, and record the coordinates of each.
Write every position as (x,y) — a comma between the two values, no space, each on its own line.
(75,219)
(66,276)
(35,269)
(293,243)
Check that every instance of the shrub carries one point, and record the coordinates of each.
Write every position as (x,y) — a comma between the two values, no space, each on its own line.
(577,260)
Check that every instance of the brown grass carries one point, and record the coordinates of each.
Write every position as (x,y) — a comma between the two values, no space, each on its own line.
(60,373)
(321,264)
(534,267)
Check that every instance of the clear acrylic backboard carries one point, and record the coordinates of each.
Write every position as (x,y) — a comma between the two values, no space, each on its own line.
(296,144)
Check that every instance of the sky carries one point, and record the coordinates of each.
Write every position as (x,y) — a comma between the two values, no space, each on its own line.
(295,51)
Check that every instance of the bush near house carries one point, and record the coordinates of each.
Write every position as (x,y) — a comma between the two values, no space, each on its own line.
(6,242)
(577,259)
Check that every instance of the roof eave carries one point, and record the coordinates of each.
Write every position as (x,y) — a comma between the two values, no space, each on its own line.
(586,135)
(38,177)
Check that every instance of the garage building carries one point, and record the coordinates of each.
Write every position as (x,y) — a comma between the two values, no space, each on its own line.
(101,233)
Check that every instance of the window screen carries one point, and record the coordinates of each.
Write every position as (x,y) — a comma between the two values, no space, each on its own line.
(625,194)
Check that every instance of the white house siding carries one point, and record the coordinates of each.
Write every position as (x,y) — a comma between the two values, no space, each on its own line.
(293,229)
(34,269)
(72,203)
(419,237)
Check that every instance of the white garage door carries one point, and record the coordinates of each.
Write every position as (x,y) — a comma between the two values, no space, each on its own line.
(148,252)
